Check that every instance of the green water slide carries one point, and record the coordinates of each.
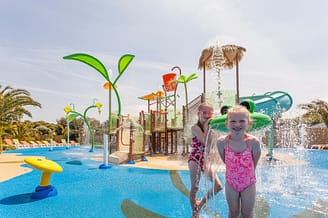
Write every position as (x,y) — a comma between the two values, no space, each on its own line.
(262,109)
(271,103)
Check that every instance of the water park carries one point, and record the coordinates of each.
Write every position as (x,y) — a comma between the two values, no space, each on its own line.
(140,168)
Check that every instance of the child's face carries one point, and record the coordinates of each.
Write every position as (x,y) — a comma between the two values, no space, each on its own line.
(205,114)
(237,122)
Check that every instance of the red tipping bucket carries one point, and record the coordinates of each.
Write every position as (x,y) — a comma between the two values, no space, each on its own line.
(168,84)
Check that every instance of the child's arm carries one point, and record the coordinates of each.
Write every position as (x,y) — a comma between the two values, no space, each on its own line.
(256,150)
(208,139)
(221,147)
(196,131)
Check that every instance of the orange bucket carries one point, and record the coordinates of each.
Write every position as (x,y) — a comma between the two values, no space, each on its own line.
(168,84)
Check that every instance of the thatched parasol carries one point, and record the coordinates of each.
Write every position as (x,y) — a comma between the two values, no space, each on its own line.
(232,55)
(205,59)
(205,64)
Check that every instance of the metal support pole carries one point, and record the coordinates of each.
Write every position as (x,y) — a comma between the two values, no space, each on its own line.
(109,118)
(237,81)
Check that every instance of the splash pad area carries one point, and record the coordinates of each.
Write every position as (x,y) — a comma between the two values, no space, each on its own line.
(295,186)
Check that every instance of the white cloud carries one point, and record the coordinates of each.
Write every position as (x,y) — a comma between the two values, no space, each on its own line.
(285,48)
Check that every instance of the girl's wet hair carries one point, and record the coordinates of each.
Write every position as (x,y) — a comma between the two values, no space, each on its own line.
(239,109)
(204,106)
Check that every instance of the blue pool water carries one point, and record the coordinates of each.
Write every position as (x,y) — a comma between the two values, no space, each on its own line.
(84,190)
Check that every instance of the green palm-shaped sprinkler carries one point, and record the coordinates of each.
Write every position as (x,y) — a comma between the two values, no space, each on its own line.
(123,63)
(71,115)
(185,79)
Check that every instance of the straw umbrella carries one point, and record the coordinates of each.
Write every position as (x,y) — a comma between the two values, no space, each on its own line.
(232,56)
(222,57)
(205,64)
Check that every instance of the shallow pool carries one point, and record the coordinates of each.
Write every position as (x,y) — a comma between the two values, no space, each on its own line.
(84,190)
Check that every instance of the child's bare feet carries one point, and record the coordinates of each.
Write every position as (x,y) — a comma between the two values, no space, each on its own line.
(202,203)
(196,210)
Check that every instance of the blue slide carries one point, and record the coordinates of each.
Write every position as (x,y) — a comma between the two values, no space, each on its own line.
(271,103)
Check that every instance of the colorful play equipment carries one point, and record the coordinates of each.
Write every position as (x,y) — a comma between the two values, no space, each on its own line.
(129,142)
(93,62)
(168,84)
(163,123)
(271,103)
(162,127)
(164,134)
(263,108)
(47,167)
(105,164)
(110,85)
(71,114)
(153,99)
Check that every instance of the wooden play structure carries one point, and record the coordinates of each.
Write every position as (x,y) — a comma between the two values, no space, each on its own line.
(160,129)
(161,136)
(162,123)
(129,141)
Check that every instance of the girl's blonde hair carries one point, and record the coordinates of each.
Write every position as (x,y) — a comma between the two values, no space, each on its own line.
(239,109)
(204,106)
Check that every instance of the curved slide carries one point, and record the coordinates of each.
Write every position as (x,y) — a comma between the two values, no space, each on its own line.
(271,103)
(262,109)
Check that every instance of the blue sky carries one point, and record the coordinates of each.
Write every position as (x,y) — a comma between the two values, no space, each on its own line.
(286,44)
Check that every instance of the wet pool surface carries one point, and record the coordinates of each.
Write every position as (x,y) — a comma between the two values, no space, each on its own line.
(84,190)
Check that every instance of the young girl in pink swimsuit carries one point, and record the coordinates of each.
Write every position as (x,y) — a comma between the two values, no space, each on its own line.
(197,159)
(240,152)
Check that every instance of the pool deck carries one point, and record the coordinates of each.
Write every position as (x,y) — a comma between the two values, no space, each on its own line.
(10,164)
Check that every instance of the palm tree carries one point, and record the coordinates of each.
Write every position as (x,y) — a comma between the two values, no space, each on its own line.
(24,130)
(12,106)
(184,80)
(12,103)
(317,111)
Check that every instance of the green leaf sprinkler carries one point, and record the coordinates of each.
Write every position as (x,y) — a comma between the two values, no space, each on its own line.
(184,80)
(123,63)
(71,115)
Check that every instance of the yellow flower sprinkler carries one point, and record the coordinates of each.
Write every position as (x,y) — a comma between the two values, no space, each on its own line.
(47,167)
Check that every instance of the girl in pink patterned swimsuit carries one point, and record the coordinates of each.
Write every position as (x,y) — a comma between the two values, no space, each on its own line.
(196,159)
(240,152)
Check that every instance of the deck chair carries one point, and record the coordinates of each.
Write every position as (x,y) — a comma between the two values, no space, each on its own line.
(324,147)
(317,146)
(8,142)
(25,144)
(17,144)
(40,143)
(34,144)
(64,142)
(46,143)
(72,142)
(54,143)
